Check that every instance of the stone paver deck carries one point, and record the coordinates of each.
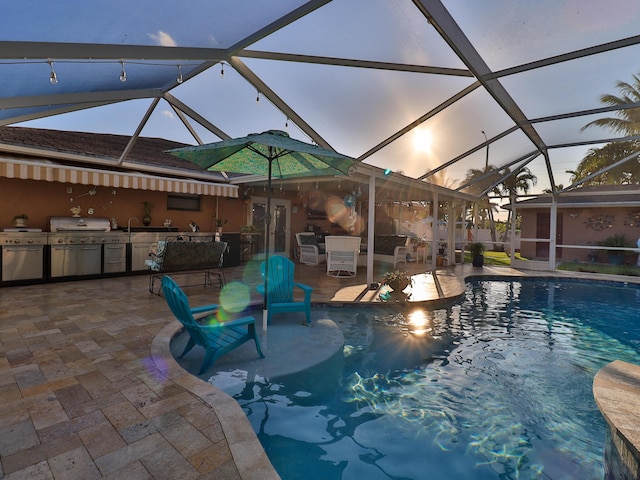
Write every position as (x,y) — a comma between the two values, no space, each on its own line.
(89,388)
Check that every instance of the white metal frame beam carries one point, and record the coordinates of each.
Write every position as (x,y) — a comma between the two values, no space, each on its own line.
(100,51)
(354,63)
(450,31)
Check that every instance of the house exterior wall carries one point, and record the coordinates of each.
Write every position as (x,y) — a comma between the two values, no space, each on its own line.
(584,227)
(41,200)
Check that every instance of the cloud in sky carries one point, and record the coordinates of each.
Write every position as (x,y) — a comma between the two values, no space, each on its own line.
(168,114)
(163,39)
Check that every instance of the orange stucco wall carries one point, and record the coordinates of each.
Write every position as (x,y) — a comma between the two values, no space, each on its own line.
(41,200)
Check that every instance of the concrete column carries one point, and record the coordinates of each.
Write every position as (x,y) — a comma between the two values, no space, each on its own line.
(553,227)
(371,221)
(435,232)
(513,231)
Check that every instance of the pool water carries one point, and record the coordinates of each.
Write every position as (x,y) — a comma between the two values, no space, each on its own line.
(496,386)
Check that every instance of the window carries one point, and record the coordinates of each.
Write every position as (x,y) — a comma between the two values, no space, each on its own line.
(183,202)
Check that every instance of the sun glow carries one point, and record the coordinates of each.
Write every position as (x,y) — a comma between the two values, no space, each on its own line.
(422,140)
(419,322)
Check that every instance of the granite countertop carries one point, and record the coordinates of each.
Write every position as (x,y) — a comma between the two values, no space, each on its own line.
(149,229)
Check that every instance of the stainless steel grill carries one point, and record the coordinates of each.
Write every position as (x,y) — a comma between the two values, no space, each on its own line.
(88,225)
(77,244)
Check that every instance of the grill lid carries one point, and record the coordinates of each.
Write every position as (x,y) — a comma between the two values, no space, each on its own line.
(79,224)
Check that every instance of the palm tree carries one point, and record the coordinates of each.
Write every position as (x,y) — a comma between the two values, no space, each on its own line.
(600,158)
(478,181)
(549,191)
(626,123)
(440,178)
(628,120)
(513,184)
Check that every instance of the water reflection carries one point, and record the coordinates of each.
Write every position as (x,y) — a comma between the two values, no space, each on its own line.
(495,386)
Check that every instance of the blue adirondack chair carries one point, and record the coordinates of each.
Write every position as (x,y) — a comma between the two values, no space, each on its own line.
(281,286)
(217,338)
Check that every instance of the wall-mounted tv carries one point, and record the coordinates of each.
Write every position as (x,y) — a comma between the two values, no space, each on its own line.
(316,206)
(316,214)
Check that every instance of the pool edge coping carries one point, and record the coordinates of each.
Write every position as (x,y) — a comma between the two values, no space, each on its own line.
(247,452)
(616,390)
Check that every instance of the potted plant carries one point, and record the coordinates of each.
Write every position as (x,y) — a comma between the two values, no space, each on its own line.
(442,245)
(20,220)
(219,223)
(146,213)
(248,229)
(397,280)
(616,257)
(477,249)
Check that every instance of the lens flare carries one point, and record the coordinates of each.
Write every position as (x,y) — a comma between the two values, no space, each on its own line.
(235,297)
(346,217)
(252,271)
(335,209)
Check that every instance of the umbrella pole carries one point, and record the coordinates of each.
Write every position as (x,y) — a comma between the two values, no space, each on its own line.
(267,233)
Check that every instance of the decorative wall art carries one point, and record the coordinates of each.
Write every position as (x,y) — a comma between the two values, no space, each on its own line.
(633,219)
(600,222)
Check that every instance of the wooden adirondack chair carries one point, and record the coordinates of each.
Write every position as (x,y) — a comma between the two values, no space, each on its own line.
(281,286)
(217,338)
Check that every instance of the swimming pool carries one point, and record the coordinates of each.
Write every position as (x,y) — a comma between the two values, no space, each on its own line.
(495,386)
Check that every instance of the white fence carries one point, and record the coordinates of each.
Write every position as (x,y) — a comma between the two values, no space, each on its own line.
(423,231)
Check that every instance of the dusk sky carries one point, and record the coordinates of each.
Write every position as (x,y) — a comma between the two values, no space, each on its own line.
(353,109)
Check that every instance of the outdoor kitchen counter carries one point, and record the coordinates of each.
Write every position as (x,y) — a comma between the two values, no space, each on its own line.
(149,229)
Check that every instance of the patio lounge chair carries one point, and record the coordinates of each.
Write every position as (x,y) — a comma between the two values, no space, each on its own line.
(342,255)
(281,286)
(310,251)
(217,338)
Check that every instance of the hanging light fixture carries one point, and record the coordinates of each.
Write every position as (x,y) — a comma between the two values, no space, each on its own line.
(123,73)
(258,97)
(53,78)
(179,79)
(221,69)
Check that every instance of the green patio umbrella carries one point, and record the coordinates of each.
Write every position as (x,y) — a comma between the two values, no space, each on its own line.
(272,154)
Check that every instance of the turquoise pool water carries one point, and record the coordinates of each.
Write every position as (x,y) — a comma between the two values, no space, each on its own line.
(496,386)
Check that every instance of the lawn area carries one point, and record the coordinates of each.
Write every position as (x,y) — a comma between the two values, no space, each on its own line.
(502,259)
(606,268)
(493,258)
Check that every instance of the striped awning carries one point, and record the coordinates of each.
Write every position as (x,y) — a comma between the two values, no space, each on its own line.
(51,172)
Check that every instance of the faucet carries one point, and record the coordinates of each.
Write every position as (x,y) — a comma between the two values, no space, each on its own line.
(129,226)
(129,223)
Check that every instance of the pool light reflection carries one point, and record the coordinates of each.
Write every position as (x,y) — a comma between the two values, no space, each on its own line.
(419,322)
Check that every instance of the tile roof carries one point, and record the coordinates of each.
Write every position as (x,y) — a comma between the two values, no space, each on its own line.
(147,151)
(588,196)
